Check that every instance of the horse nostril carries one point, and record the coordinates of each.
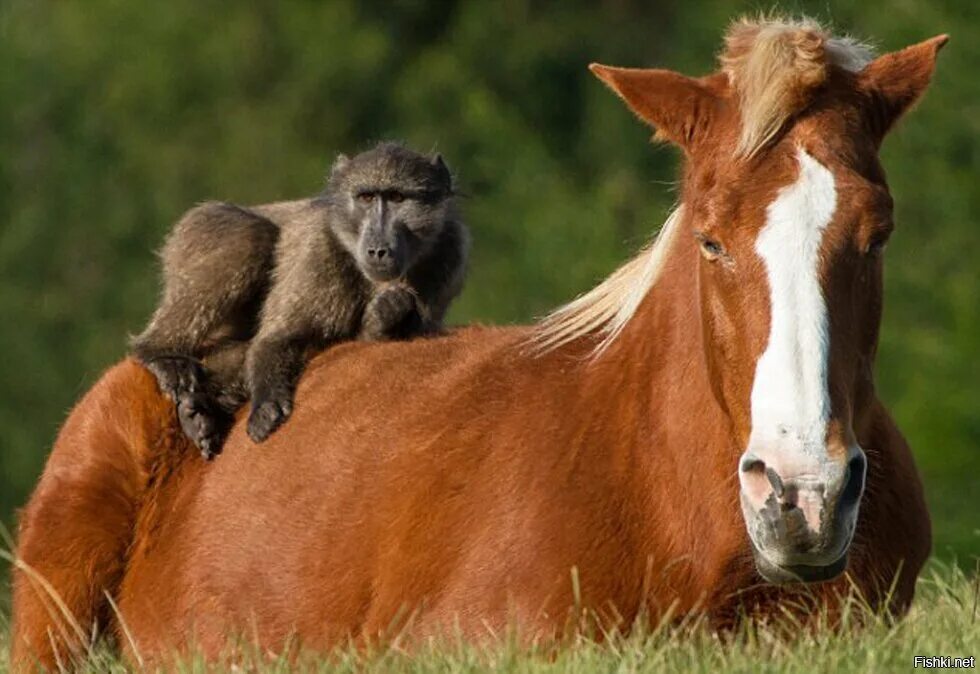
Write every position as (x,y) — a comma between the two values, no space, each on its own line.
(752,464)
(855,481)
(776,482)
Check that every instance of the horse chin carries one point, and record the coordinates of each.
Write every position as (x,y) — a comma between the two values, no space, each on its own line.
(797,573)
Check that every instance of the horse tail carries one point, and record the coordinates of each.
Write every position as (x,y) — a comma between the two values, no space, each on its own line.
(76,529)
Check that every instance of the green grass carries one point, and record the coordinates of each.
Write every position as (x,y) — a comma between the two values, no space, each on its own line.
(945,620)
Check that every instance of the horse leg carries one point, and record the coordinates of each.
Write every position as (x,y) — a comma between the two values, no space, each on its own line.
(78,524)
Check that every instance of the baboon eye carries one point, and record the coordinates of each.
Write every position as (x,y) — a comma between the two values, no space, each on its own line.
(365,197)
(710,248)
(395,197)
(430,196)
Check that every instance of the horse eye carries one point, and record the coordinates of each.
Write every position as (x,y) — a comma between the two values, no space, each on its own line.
(876,247)
(365,197)
(709,247)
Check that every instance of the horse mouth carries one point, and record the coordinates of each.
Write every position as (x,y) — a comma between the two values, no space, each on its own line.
(798,573)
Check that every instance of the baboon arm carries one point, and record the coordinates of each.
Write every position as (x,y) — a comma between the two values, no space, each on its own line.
(275,362)
(294,321)
(276,356)
(273,367)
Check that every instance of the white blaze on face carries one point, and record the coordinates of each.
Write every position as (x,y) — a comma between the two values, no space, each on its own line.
(790,398)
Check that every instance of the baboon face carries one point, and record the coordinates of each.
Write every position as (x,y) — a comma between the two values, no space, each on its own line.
(392,204)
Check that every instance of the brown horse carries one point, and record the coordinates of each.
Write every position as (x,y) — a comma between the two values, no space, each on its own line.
(702,422)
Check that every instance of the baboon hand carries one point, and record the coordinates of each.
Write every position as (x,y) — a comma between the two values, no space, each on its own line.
(269,412)
(386,310)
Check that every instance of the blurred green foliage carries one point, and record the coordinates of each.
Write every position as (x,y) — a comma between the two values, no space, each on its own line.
(116,116)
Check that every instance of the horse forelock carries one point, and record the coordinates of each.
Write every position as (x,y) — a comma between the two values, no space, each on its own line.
(775,67)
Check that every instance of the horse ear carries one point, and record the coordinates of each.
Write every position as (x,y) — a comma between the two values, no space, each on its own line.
(895,81)
(679,108)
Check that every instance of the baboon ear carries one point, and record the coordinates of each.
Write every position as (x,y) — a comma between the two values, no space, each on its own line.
(444,173)
(679,108)
(895,81)
(339,164)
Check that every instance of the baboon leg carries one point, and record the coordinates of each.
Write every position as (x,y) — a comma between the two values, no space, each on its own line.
(206,415)
(226,367)
(78,524)
(216,264)
(171,345)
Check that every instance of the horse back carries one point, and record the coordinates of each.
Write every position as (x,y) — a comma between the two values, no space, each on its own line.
(414,482)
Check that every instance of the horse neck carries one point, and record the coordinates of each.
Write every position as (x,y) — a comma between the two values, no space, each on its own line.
(658,361)
(653,390)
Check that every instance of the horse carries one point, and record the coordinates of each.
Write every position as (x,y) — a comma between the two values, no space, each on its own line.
(697,435)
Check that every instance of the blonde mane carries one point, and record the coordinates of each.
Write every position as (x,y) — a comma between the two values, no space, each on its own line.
(775,66)
(609,306)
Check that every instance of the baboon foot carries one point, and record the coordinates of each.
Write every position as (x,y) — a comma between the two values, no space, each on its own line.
(204,422)
(177,375)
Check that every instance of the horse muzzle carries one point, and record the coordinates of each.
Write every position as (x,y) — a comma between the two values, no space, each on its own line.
(800,510)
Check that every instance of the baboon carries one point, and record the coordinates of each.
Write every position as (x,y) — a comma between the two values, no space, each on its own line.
(250,292)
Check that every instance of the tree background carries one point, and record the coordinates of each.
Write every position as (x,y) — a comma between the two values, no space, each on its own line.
(116,116)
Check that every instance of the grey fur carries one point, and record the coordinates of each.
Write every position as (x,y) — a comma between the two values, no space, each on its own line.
(249,293)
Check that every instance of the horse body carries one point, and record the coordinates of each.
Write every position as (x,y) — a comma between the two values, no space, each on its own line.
(464,497)
(359,519)
(703,421)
